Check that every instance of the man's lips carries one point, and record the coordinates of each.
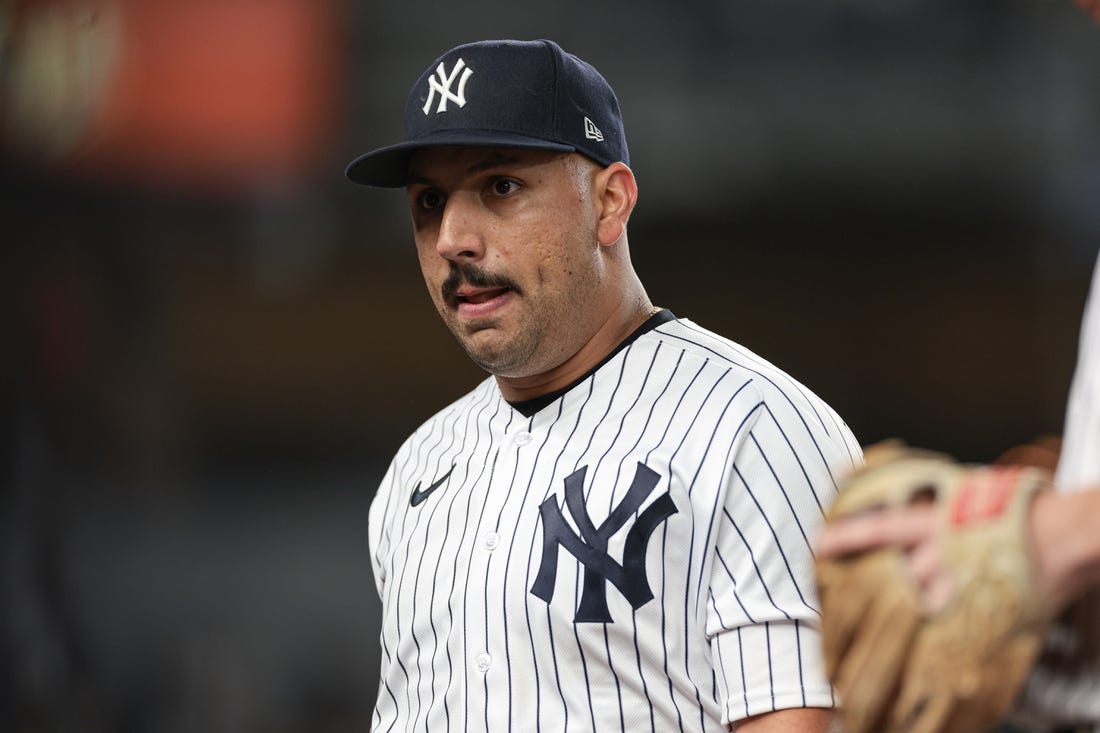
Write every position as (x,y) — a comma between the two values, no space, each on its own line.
(474,293)
(479,296)
(482,302)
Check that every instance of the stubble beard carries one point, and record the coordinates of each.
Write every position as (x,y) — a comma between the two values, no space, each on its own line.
(537,341)
(508,359)
(507,354)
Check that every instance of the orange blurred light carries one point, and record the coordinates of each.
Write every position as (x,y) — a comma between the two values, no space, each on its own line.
(208,92)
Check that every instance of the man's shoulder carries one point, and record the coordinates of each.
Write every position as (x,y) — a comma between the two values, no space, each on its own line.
(703,344)
(746,371)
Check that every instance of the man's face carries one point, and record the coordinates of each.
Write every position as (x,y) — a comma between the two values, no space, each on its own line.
(507,245)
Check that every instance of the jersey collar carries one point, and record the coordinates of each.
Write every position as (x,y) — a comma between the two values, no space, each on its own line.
(533,405)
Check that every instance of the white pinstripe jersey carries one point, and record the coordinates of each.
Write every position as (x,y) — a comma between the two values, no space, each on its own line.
(632,553)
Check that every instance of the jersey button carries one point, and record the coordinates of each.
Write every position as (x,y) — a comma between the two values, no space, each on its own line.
(492,539)
(483,662)
(523,438)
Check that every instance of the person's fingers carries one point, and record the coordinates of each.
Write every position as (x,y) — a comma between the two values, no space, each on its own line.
(902,528)
(926,564)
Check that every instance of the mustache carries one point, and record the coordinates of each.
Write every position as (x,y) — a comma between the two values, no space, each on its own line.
(474,276)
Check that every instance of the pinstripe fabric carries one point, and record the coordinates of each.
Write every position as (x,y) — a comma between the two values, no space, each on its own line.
(747,457)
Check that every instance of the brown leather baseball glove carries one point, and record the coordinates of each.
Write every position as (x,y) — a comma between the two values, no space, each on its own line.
(899,666)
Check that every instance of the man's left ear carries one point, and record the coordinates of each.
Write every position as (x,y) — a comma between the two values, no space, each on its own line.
(618,192)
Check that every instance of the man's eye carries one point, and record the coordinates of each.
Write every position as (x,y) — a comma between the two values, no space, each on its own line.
(429,199)
(504,187)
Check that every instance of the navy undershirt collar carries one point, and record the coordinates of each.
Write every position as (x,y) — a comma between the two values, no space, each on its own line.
(533,405)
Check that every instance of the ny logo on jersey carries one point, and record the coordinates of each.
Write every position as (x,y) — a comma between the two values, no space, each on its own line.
(589,547)
(441,82)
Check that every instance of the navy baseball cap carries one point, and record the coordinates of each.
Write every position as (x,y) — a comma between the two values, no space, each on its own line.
(513,94)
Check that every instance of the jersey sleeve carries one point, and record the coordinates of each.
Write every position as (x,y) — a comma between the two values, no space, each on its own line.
(378,518)
(763,613)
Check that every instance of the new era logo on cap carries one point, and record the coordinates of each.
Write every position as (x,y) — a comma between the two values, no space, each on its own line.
(523,94)
(591,131)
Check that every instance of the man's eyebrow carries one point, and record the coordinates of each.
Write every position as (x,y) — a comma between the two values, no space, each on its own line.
(489,162)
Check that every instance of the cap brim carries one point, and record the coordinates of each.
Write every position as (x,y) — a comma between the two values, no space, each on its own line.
(388,167)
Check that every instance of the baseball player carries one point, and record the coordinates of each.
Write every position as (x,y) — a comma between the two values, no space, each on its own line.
(612,531)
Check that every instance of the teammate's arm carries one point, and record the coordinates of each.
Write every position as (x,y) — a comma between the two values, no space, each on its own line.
(795,720)
(1066,543)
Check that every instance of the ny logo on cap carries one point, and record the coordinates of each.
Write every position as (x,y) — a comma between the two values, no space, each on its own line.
(443,83)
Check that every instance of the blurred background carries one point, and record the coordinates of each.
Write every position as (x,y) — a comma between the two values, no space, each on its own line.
(213,343)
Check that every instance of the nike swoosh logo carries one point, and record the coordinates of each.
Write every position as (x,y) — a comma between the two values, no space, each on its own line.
(419,496)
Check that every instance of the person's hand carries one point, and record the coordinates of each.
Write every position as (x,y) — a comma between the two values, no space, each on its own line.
(1058,534)
(911,529)
(930,613)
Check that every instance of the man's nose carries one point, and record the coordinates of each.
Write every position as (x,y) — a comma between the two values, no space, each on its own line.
(459,230)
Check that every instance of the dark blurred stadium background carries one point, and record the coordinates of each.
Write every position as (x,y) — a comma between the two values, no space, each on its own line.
(212,343)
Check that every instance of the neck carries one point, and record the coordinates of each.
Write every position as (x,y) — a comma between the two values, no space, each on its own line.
(610,333)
